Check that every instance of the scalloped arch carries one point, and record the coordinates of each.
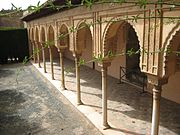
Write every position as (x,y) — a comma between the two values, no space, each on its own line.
(32,33)
(65,40)
(65,25)
(82,22)
(121,22)
(49,30)
(167,44)
(42,32)
(36,33)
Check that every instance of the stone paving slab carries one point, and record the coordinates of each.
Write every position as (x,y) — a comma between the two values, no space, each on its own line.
(31,105)
(129,111)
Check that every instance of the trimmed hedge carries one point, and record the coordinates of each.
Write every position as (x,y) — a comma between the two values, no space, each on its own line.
(14,44)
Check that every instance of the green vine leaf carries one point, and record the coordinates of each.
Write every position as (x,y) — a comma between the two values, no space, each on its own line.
(69,3)
(81,62)
(142,3)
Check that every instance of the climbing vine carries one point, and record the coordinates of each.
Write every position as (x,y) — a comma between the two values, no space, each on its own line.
(170,5)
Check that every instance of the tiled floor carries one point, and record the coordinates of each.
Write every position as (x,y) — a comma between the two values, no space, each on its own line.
(129,111)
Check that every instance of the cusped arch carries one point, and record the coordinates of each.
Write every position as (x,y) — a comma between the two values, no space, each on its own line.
(51,33)
(32,34)
(42,34)
(64,35)
(110,31)
(36,34)
(170,47)
(83,30)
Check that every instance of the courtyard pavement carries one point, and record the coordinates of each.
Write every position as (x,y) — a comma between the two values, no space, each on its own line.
(129,111)
(31,105)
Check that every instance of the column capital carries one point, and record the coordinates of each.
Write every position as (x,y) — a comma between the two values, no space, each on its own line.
(75,54)
(61,48)
(104,64)
(156,81)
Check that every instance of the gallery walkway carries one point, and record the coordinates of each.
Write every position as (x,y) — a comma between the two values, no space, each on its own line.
(129,111)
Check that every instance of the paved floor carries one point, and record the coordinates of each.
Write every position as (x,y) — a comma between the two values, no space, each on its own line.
(30,105)
(129,111)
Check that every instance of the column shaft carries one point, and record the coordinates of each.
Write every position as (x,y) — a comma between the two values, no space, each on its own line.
(79,102)
(62,70)
(156,110)
(38,55)
(51,62)
(44,58)
(104,96)
(34,52)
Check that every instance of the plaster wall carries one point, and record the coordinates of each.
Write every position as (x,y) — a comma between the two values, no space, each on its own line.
(118,61)
(171,90)
(68,54)
(87,53)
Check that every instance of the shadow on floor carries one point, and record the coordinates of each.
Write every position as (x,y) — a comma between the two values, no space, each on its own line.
(130,96)
(11,122)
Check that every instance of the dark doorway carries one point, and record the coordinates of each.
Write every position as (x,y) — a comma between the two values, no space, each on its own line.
(133,72)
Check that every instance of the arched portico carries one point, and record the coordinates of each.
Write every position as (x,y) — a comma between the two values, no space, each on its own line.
(112,39)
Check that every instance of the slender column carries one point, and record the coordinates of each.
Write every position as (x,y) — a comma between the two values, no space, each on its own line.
(34,51)
(79,102)
(30,49)
(104,67)
(44,57)
(156,109)
(51,62)
(62,69)
(38,56)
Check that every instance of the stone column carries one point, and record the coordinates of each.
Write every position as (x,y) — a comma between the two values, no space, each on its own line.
(77,57)
(157,83)
(44,57)
(156,109)
(51,63)
(104,67)
(61,50)
(38,54)
(30,49)
(34,51)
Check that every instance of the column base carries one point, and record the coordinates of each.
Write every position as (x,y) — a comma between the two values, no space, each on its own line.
(106,126)
(63,88)
(80,103)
